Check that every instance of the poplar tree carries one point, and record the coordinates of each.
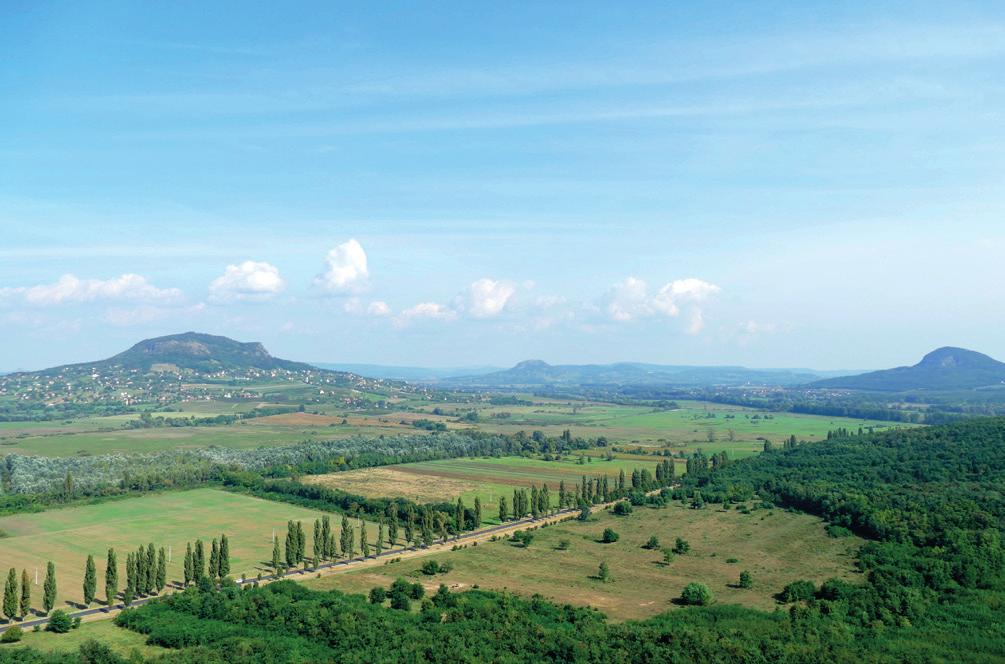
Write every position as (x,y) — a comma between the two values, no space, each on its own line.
(189,567)
(10,595)
(290,547)
(326,536)
(131,574)
(214,561)
(410,525)
(363,544)
(318,544)
(90,581)
(459,517)
(503,512)
(224,557)
(380,538)
(535,502)
(301,542)
(275,555)
(25,593)
(198,561)
(562,497)
(478,512)
(441,525)
(161,579)
(49,588)
(392,524)
(112,577)
(151,568)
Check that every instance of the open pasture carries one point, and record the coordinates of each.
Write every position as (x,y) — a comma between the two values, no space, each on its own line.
(776,547)
(67,536)
(488,479)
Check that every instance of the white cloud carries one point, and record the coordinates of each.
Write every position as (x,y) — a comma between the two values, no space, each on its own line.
(753,328)
(251,281)
(486,298)
(346,269)
(631,299)
(426,310)
(378,308)
(71,289)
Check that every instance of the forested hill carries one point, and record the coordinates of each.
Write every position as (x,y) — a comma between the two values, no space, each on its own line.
(933,501)
(941,370)
(193,351)
(536,373)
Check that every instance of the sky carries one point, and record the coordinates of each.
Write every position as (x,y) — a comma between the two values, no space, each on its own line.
(812,184)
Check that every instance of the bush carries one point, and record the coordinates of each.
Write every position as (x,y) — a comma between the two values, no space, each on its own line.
(563,545)
(696,594)
(416,591)
(653,543)
(746,581)
(59,622)
(681,546)
(798,591)
(400,601)
(623,508)
(609,536)
(377,595)
(12,635)
(430,567)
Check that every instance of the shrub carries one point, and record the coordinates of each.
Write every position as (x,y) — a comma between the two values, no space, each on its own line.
(696,594)
(609,536)
(59,622)
(416,591)
(430,567)
(681,546)
(604,573)
(746,581)
(400,601)
(623,508)
(377,595)
(563,545)
(798,591)
(653,543)
(12,635)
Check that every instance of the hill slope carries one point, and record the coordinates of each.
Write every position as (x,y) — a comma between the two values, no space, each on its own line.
(534,373)
(200,352)
(945,368)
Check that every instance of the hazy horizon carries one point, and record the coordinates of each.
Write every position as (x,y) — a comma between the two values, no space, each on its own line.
(809,186)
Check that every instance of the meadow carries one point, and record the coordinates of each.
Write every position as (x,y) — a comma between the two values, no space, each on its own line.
(694,425)
(66,536)
(775,546)
(488,479)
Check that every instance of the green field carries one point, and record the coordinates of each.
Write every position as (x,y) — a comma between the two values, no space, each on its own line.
(105,632)
(67,536)
(777,547)
(485,478)
(740,431)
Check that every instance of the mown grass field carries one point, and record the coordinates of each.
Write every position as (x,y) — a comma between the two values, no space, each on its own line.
(67,536)
(777,547)
(120,640)
(488,479)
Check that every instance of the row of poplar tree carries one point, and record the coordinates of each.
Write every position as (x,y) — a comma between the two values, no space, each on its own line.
(18,604)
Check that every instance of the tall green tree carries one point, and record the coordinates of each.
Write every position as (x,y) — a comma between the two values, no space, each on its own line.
(301,542)
(111,577)
(503,511)
(318,544)
(130,591)
(214,561)
(198,561)
(379,544)
(189,566)
(290,548)
(25,593)
(364,545)
(10,595)
(275,555)
(459,517)
(478,512)
(151,569)
(392,524)
(49,587)
(90,581)
(161,580)
(224,557)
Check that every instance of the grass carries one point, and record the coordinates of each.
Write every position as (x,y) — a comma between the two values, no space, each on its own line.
(67,536)
(686,428)
(120,640)
(488,479)
(777,547)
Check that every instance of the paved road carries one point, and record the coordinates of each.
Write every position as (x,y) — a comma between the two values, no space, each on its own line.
(28,624)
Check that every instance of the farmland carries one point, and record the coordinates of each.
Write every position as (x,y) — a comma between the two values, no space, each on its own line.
(692,425)
(67,536)
(776,547)
(484,478)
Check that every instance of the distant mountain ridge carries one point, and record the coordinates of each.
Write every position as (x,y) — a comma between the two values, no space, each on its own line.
(420,374)
(192,351)
(946,368)
(537,373)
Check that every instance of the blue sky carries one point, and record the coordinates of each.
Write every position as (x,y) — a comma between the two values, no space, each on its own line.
(768,184)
